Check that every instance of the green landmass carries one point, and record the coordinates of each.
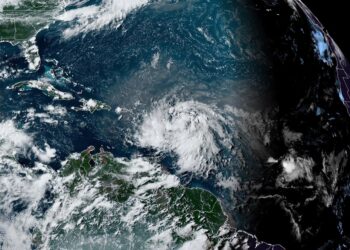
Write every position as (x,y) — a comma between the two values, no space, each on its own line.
(46,88)
(21,22)
(166,209)
(108,173)
(91,106)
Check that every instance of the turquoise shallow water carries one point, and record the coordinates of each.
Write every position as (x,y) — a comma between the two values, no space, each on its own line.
(171,124)
(101,85)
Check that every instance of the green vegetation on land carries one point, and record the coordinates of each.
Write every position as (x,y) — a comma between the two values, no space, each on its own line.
(136,205)
(21,22)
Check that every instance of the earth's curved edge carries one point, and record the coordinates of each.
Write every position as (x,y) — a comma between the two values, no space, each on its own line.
(342,64)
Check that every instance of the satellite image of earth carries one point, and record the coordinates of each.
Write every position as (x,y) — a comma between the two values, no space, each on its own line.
(172,124)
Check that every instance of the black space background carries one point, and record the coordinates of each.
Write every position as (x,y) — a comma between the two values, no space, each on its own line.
(335,16)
